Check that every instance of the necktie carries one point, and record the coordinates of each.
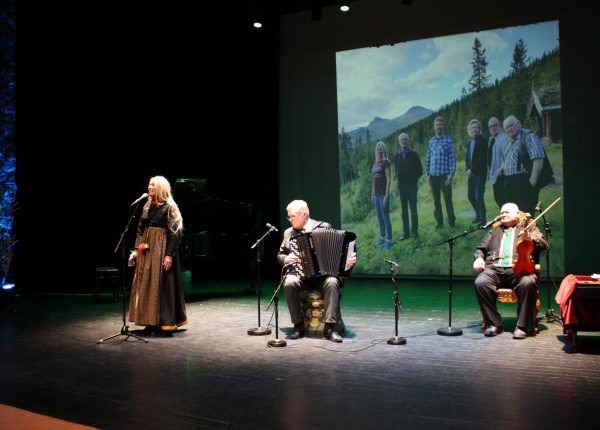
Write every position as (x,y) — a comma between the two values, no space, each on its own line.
(506,248)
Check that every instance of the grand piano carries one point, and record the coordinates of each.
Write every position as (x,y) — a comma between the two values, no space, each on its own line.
(218,233)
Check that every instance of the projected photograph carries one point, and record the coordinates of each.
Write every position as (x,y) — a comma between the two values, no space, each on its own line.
(422,145)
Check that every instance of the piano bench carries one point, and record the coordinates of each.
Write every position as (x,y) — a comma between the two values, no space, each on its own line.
(106,277)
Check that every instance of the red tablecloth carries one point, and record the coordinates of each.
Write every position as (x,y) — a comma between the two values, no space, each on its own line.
(576,311)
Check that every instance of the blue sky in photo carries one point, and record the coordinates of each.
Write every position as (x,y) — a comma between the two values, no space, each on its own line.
(386,81)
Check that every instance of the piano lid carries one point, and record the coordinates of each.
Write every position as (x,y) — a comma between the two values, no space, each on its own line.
(203,212)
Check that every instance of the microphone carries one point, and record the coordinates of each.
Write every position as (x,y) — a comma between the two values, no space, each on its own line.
(483,227)
(142,197)
(272,227)
(538,208)
(392,263)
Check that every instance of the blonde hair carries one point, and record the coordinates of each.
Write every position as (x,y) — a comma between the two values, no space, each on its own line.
(473,121)
(163,194)
(380,144)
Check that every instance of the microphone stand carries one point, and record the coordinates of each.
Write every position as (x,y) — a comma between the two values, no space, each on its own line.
(451,331)
(275,299)
(125,328)
(395,340)
(550,317)
(258,330)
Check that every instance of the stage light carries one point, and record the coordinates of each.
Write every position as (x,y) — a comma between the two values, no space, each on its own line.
(345,6)
(7,283)
(257,13)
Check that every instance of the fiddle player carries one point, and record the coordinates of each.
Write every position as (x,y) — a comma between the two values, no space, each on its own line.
(494,259)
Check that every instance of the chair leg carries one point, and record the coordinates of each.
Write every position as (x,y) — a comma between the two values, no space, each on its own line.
(534,324)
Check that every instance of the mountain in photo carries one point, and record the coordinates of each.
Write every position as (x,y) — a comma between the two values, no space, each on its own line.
(380,128)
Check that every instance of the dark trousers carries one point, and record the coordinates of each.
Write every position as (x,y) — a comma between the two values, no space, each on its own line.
(438,187)
(475,193)
(492,278)
(331,285)
(408,199)
(498,188)
(518,190)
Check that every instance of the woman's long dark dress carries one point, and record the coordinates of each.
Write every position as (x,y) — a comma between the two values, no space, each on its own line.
(157,295)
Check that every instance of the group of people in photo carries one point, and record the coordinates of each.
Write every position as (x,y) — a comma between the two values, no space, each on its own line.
(511,160)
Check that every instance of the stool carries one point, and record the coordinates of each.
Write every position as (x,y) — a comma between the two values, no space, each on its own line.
(104,276)
(313,308)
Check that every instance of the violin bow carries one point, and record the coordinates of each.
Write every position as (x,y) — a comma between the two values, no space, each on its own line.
(543,213)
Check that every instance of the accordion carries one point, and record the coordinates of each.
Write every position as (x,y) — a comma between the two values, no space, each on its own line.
(323,252)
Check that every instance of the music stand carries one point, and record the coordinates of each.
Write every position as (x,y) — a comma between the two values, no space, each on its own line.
(258,330)
(395,340)
(125,328)
(451,331)
(275,299)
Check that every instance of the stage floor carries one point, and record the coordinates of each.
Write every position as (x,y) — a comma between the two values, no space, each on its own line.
(212,374)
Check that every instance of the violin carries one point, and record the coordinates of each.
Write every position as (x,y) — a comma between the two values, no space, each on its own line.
(524,264)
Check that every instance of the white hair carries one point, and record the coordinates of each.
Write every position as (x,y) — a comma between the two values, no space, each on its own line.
(297,206)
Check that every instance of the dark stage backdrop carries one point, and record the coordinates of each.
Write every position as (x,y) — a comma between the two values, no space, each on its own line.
(112,93)
(308,109)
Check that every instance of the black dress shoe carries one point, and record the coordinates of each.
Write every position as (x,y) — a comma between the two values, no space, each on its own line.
(149,330)
(404,237)
(334,336)
(519,334)
(331,334)
(297,333)
(492,331)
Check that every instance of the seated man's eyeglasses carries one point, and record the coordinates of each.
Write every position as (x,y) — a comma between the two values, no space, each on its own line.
(292,216)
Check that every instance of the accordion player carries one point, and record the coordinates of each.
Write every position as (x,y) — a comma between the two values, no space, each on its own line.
(324,252)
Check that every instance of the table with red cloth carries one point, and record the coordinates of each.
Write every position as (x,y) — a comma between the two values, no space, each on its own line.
(579,311)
